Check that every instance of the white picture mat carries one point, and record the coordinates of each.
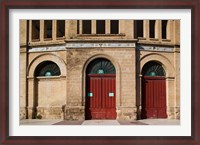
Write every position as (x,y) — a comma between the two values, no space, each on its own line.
(184,129)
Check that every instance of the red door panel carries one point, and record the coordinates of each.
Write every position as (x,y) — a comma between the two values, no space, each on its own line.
(109,97)
(100,97)
(154,97)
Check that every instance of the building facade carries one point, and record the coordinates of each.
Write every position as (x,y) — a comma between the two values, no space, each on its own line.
(99,69)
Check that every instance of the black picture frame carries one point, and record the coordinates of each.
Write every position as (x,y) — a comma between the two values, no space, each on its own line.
(7,5)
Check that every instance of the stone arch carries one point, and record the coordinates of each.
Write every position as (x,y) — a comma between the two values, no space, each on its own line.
(101,56)
(165,62)
(118,77)
(46,57)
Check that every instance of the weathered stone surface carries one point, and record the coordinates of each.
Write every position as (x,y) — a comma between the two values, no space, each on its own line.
(75,113)
(49,113)
(64,96)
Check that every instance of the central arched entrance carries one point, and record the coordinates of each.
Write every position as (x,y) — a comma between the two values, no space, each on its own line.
(100,90)
(153,91)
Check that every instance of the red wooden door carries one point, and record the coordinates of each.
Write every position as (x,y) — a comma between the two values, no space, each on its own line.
(100,97)
(154,97)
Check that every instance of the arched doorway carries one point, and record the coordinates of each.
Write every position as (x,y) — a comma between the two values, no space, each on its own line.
(153,91)
(100,90)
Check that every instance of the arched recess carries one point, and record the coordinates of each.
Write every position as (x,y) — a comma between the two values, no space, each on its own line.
(46,57)
(46,77)
(169,68)
(118,78)
(170,78)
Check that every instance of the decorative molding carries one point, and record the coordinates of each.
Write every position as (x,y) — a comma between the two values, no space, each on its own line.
(97,45)
(47,48)
(155,48)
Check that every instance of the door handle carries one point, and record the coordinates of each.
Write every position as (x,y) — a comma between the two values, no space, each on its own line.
(90,94)
(111,94)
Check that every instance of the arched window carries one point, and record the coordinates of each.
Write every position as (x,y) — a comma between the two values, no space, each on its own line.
(47,68)
(100,66)
(153,69)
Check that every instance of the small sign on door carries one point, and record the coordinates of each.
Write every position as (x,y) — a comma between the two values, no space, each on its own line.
(90,94)
(111,94)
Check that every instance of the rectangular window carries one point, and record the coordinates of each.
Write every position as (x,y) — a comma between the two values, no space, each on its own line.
(100,26)
(164,29)
(138,31)
(47,29)
(86,26)
(78,26)
(35,29)
(60,28)
(152,28)
(114,26)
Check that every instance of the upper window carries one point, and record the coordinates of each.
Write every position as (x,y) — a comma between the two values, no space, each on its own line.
(86,26)
(35,29)
(60,28)
(152,28)
(138,31)
(47,29)
(114,27)
(100,26)
(47,68)
(153,69)
(164,29)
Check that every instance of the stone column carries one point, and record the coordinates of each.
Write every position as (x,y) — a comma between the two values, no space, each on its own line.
(177,82)
(93,26)
(122,26)
(67,27)
(31,88)
(146,29)
(30,31)
(170,97)
(158,30)
(54,29)
(107,26)
(42,30)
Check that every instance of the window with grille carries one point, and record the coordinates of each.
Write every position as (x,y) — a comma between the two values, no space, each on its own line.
(153,69)
(100,66)
(47,68)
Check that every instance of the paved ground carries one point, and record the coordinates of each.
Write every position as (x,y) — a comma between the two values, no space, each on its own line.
(160,121)
(100,122)
(39,121)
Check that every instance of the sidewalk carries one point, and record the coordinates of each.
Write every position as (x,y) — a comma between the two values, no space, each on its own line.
(160,121)
(100,122)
